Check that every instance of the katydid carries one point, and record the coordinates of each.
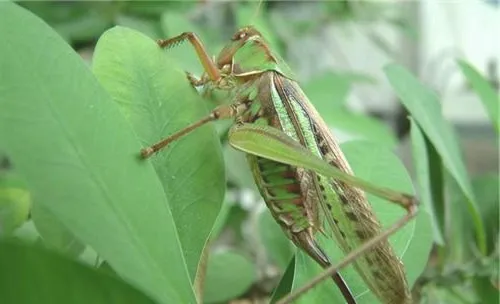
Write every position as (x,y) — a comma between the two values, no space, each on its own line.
(297,164)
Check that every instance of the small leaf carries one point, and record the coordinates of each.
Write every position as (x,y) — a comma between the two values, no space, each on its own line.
(426,183)
(32,275)
(285,285)
(361,127)
(424,107)
(15,203)
(487,292)
(486,189)
(229,275)
(327,91)
(483,89)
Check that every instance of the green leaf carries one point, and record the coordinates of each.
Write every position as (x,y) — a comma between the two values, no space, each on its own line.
(424,107)
(430,180)
(27,233)
(278,247)
(32,275)
(221,221)
(487,292)
(78,155)
(412,243)
(382,167)
(483,89)
(285,285)
(361,127)
(157,100)
(76,22)
(327,91)
(229,275)
(486,189)
(84,28)
(235,161)
(53,232)
(15,202)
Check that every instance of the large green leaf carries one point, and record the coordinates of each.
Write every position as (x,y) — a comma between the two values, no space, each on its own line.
(158,100)
(412,244)
(53,233)
(486,93)
(424,106)
(229,275)
(31,275)
(72,145)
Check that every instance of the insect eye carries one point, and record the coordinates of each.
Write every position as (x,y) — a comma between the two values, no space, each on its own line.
(239,35)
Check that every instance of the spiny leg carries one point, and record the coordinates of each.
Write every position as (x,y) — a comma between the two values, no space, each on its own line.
(408,202)
(205,60)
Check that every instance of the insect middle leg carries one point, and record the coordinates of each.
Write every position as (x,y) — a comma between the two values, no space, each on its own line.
(221,112)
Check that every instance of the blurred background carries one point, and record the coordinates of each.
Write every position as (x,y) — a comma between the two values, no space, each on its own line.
(338,50)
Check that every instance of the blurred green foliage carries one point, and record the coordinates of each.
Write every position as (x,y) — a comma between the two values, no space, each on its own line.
(122,225)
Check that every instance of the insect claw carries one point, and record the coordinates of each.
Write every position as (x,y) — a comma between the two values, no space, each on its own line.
(147,152)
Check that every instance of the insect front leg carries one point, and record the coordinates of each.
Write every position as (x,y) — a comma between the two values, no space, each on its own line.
(208,64)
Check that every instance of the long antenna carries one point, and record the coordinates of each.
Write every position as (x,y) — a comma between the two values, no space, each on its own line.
(256,12)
